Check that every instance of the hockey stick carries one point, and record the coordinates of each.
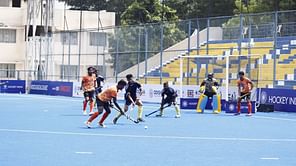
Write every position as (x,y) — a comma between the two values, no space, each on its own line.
(134,104)
(244,95)
(127,116)
(156,111)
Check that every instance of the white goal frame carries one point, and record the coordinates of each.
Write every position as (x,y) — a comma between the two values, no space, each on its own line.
(258,56)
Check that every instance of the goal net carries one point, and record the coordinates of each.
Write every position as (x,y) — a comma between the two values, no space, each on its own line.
(195,68)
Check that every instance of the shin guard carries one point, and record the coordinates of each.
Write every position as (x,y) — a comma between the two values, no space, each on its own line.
(140,111)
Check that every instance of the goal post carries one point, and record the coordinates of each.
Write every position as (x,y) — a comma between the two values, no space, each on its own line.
(194,69)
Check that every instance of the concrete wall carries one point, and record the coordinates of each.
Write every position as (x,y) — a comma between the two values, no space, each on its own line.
(16,18)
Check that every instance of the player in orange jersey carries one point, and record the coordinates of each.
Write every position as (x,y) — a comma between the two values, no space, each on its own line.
(104,100)
(245,86)
(88,87)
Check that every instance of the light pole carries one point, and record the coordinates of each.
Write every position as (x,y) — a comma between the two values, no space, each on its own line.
(162,9)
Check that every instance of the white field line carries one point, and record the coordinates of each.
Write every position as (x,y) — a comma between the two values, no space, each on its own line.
(84,152)
(275,118)
(269,158)
(152,136)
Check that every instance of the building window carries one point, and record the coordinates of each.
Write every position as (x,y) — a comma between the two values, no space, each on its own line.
(7,70)
(69,38)
(7,35)
(4,3)
(69,72)
(16,3)
(97,38)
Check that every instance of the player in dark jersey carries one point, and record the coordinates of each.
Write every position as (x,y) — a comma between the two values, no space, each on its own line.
(99,83)
(169,96)
(131,91)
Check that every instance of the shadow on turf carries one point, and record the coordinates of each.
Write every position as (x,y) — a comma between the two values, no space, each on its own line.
(109,125)
(208,113)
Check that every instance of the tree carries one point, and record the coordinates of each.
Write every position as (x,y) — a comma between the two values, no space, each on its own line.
(258,6)
(189,9)
(147,11)
(260,22)
(126,38)
(117,6)
(87,4)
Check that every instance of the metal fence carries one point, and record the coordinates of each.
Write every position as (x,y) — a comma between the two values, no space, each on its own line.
(145,50)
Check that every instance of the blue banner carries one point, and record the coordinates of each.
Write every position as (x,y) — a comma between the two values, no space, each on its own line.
(191,103)
(231,107)
(12,86)
(54,88)
(282,99)
(228,107)
(61,89)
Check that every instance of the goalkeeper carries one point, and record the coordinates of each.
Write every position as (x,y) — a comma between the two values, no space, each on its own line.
(208,88)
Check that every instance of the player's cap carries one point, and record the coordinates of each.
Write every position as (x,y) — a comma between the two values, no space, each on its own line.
(241,73)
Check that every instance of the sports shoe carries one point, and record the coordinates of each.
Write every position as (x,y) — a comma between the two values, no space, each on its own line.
(87,123)
(101,125)
(84,113)
(140,120)
(236,114)
(115,120)
(199,111)
(177,116)
(249,114)
(216,112)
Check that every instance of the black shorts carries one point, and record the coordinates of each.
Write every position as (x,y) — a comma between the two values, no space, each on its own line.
(105,105)
(247,97)
(128,101)
(168,100)
(209,94)
(89,94)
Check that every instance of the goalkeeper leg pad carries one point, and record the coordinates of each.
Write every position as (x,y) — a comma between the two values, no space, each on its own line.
(202,102)
(217,104)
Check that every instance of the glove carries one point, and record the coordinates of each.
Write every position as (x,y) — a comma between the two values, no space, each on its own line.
(201,89)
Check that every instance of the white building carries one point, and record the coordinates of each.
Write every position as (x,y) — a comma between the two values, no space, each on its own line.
(56,48)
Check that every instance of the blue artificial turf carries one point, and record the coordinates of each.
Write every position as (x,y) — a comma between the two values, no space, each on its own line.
(49,131)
